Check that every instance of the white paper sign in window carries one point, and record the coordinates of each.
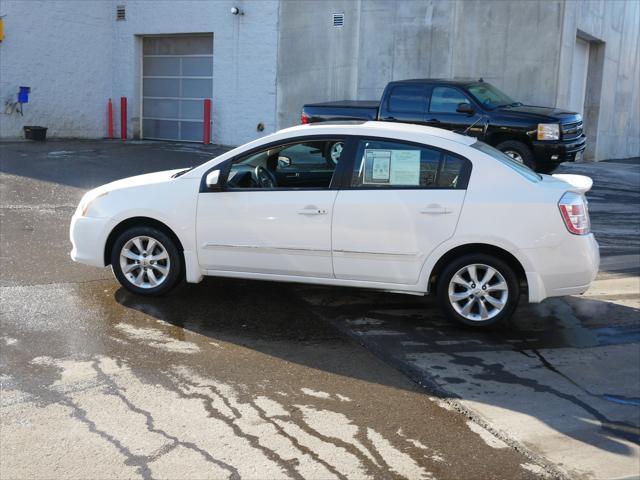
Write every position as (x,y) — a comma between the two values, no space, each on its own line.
(391,167)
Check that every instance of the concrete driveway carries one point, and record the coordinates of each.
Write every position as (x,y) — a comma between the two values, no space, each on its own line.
(262,380)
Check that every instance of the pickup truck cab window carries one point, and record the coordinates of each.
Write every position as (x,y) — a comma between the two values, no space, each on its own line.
(390,164)
(303,164)
(446,100)
(408,99)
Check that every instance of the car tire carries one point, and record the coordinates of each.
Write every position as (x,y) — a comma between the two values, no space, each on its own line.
(547,168)
(499,293)
(142,271)
(518,151)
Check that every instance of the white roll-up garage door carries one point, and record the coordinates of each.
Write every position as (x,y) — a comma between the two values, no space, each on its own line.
(177,75)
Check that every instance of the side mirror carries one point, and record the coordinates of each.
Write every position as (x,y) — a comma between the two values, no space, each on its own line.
(284,161)
(213,179)
(465,108)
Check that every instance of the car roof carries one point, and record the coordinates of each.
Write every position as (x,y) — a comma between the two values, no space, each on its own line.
(379,129)
(441,81)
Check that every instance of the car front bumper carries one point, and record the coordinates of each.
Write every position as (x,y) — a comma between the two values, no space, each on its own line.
(558,152)
(88,239)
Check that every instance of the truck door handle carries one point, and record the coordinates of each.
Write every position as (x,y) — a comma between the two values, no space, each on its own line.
(312,210)
(292,175)
(433,120)
(435,209)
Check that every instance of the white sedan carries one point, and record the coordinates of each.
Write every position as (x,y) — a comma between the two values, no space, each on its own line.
(386,206)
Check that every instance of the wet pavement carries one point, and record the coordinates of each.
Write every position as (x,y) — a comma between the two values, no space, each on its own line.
(239,379)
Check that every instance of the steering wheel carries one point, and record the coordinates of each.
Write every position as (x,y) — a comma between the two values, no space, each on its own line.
(264,178)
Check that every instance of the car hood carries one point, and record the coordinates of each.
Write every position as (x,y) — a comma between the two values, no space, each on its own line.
(138,180)
(540,114)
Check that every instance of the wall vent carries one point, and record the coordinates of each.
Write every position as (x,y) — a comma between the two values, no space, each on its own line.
(338,20)
(121,13)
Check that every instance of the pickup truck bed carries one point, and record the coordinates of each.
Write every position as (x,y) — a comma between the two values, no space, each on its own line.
(341,110)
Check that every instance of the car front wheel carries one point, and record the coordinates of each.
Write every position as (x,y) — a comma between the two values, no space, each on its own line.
(478,290)
(146,261)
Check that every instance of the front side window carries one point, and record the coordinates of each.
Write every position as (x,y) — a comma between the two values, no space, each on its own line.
(303,164)
(446,100)
(390,164)
(408,99)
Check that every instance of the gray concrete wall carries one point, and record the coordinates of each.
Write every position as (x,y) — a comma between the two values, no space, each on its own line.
(523,47)
(612,113)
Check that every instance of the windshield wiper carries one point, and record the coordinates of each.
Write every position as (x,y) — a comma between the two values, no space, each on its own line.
(181,172)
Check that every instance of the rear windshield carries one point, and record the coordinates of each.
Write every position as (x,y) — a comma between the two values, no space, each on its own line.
(521,168)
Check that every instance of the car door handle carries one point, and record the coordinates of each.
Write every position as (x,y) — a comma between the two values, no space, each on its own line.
(435,209)
(292,175)
(312,210)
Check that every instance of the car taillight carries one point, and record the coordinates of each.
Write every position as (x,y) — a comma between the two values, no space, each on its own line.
(304,118)
(573,208)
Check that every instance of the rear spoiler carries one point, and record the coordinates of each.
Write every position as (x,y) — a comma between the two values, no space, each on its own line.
(580,183)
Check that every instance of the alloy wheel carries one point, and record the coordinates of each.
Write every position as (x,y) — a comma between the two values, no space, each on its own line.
(144,261)
(514,155)
(478,292)
(336,152)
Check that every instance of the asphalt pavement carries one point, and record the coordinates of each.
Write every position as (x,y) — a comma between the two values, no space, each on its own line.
(243,379)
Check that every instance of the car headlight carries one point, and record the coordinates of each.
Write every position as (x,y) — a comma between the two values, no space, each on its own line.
(86,204)
(548,131)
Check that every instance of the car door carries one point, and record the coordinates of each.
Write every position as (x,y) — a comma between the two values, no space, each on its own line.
(246,228)
(405,103)
(402,201)
(443,106)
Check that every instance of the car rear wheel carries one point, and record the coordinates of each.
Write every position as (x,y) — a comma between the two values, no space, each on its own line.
(146,261)
(519,151)
(478,290)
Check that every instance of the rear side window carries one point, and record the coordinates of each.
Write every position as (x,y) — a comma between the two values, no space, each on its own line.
(386,164)
(408,99)
(446,100)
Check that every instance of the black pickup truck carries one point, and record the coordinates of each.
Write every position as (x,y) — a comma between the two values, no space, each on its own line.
(540,137)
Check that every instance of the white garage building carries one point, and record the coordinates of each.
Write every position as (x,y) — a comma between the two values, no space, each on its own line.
(261,65)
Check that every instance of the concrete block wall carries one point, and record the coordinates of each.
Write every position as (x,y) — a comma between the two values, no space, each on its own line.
(244,59)
(523,47)
(75,55)
(62,50)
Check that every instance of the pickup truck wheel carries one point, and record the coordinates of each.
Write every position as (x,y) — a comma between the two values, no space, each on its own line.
(518,151)
(478,290)
(333,151)
(146,261)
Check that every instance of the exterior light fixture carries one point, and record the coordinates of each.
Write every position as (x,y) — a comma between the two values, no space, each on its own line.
(236,11)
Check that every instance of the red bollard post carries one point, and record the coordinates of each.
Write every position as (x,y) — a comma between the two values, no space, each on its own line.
(123,118)
(206,129)
(110,118)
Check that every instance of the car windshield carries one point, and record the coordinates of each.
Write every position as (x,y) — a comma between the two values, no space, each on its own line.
(521,168)
(490,97)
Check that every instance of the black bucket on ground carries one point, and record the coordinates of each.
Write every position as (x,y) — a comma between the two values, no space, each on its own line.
(35,133)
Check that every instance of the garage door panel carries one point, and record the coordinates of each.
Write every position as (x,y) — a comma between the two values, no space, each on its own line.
(158,108)
(191,109)
(191,131)
(169,66)
(197,66)
(196,88)
(161,87)
(177,77)
(161,129)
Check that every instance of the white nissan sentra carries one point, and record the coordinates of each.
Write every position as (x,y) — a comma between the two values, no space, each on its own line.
(386,206)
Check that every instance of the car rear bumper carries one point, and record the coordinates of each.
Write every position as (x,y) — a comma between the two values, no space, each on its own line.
(88,238)
(567,269)
(558,152)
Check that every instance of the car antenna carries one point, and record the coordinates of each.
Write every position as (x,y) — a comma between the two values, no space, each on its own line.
(466,130)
